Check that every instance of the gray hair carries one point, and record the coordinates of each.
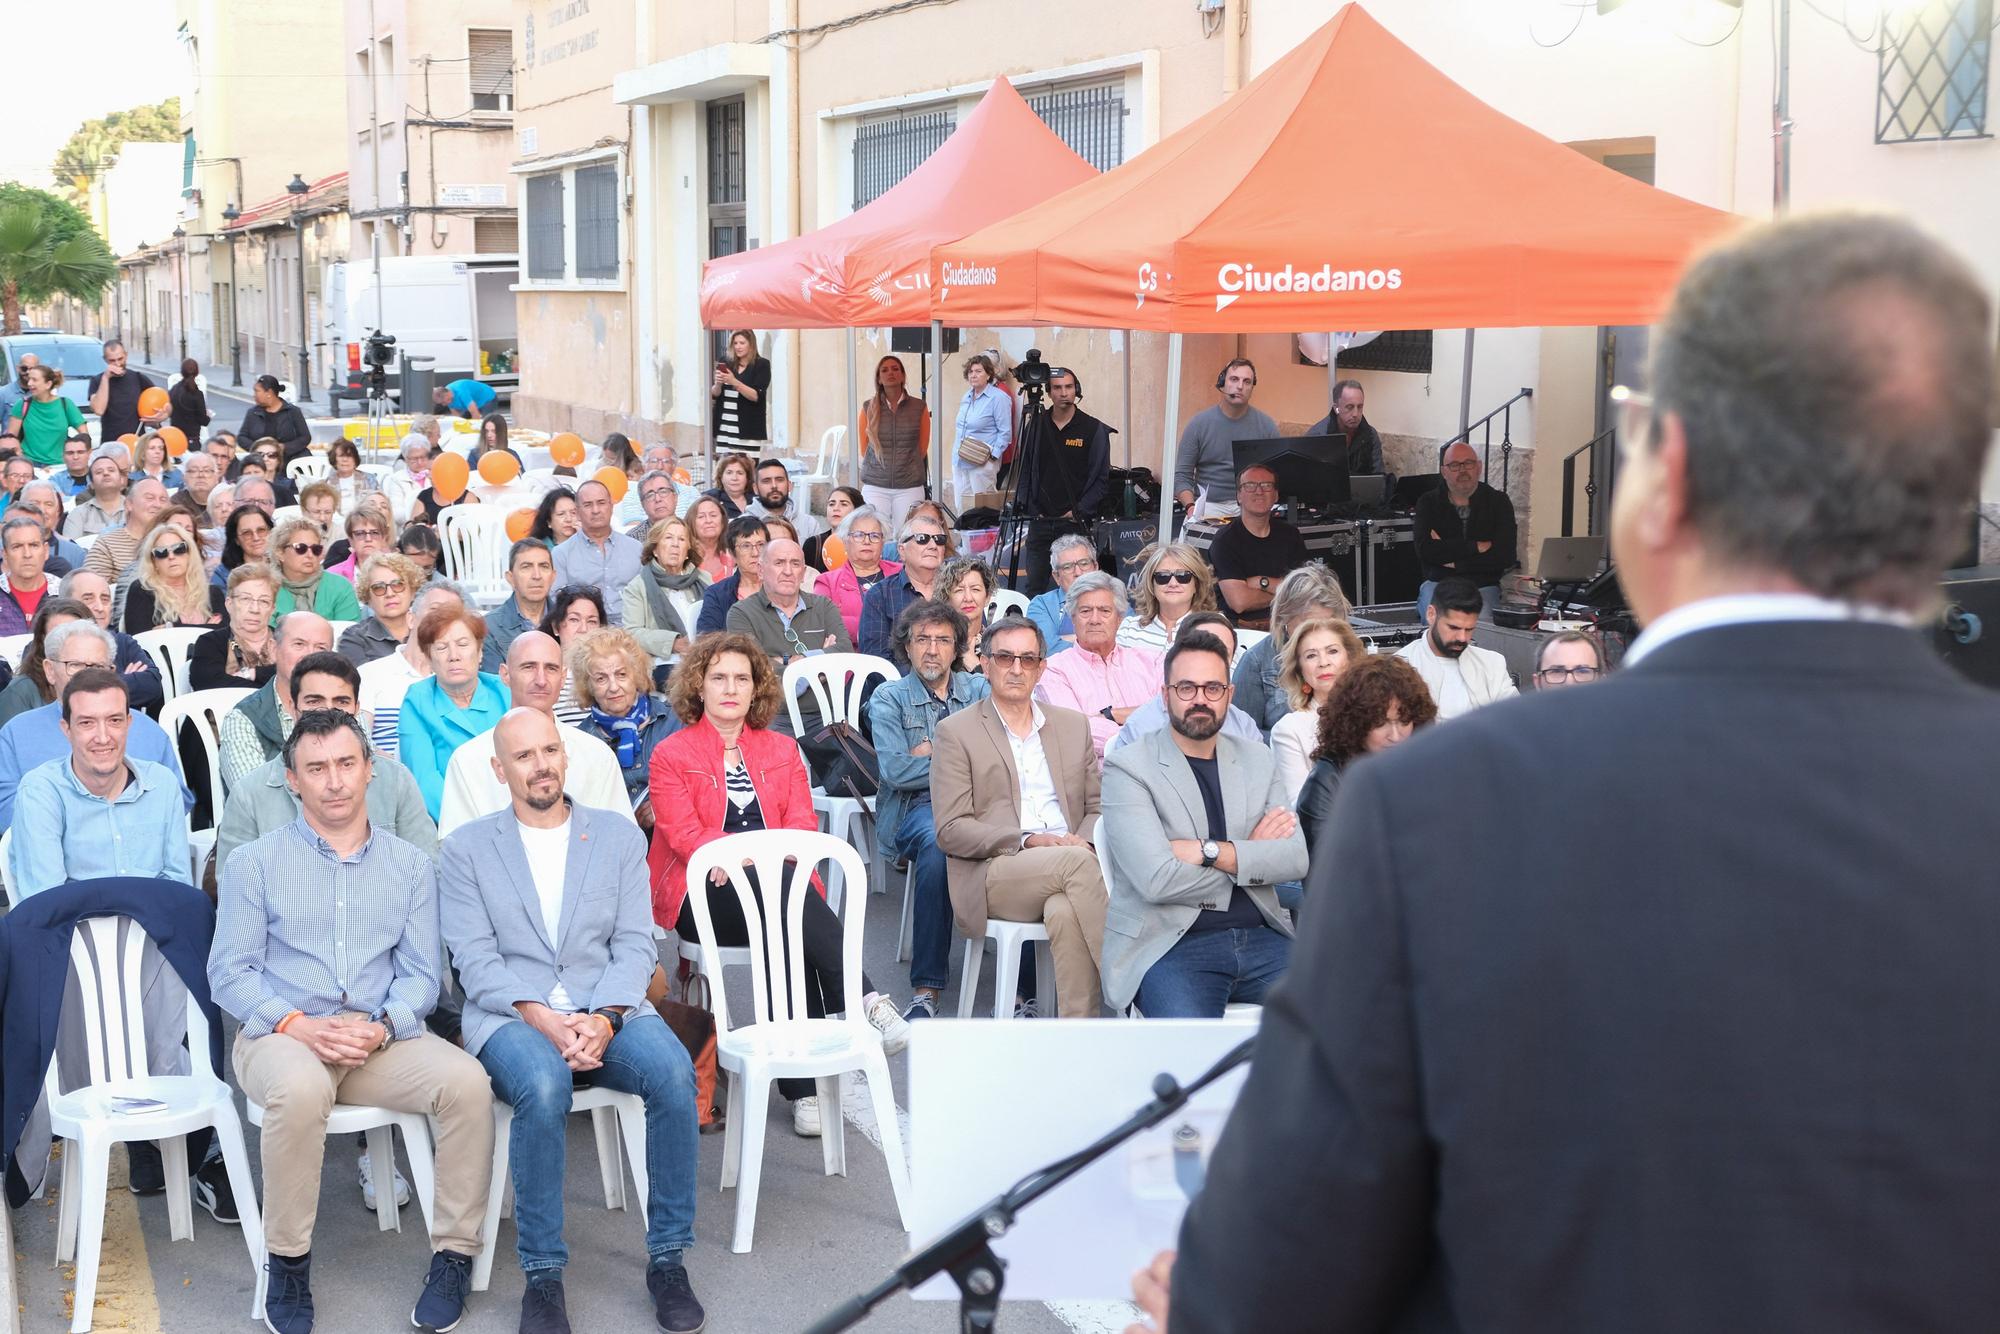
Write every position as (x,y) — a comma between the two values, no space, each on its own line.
(423,423)
(1834,377)
(1005,624)
(54,642)
(223,493)
(903,533)
(39,484)
(414,440)
(439,585)
(1310,586)
(112,450)
(13,521)
(1096,581)
(69,581)
(1069,542)
(658,476)
(846,525)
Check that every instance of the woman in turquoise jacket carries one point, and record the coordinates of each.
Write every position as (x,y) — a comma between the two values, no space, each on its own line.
(454,704)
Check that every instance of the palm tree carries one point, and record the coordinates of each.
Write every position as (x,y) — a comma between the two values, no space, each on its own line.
(36,263)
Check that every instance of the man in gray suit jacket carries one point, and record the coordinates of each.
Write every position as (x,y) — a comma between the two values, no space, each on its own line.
(549,920)
(1199,830)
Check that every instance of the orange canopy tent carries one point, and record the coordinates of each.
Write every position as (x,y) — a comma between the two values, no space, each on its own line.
(1350,186)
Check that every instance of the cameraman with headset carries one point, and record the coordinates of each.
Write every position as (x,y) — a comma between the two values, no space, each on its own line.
(1065,465)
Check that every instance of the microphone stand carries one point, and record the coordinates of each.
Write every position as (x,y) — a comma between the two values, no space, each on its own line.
(965,1251)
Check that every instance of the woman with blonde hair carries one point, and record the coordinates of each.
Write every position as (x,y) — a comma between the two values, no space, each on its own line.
(173,586)
(895,434)
(661,603)
(297,548)
(1310,664)
(740,384)
(388,585)
(1174,581)
(614,683)
(151,460)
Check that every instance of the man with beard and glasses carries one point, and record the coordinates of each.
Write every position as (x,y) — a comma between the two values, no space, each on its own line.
(903,717)
(1461,677)
(1200,833)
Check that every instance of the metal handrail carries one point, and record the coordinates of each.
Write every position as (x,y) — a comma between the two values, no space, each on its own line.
(1609,437)
(1505,412)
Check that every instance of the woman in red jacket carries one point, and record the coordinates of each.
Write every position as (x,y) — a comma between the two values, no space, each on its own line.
(726,772)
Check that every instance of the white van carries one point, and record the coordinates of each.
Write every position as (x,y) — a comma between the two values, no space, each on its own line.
(456,309)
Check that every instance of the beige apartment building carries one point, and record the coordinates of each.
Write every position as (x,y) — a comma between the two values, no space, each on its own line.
(745,122)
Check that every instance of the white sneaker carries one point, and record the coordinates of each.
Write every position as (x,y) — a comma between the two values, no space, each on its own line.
(805,1116)
(888,1021)
(368,1183)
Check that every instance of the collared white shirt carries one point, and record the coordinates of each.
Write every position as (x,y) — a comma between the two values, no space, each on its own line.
(1041,809)
(1752,608)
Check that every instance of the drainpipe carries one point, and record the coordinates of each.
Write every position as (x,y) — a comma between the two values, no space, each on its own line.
(796,378)
(1235,18)
(645,318)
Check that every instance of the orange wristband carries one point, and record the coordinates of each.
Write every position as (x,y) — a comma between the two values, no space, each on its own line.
(295,1014)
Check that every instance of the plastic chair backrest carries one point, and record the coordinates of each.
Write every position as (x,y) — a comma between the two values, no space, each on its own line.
(1249,639)
(168,647)
(831,441)
(284,514)
(13,646)
(777,975)
(340,628)
(475,549)
(204,709)
(308,469)
(837,681)
(7,864)
(105,954)
(1006,602)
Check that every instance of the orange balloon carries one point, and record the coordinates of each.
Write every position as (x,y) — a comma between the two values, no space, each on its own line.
(613,479)
(152,402)
(518,523)
(499,467)
(176,438)
(683,476)
(835,553)
(449,474)
(566,450)
(128,439)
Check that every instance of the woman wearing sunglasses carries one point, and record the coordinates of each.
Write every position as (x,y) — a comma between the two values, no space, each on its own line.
(298,548)
(172,587)
(1174,581)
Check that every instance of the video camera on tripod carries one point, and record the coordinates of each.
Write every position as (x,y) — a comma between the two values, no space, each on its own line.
(1032,378)
(377,351)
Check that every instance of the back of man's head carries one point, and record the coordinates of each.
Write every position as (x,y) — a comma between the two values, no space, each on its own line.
(1834,376)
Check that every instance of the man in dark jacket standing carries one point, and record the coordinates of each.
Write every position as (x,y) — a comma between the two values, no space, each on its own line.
(273,417)
(1065,466)
(1464,528)
(1739,1074)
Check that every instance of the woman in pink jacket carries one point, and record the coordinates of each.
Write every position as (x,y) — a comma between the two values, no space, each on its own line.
(862,532)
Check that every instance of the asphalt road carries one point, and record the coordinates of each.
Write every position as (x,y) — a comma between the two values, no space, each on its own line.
(819,1239)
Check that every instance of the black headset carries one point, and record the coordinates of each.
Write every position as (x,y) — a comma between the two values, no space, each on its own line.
(1223,374)
(1064,370)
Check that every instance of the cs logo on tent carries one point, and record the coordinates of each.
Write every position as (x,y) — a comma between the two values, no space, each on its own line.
(1149,281)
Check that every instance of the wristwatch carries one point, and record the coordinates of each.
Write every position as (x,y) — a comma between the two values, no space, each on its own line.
(1210,850)
(612,1017)
(1106,711)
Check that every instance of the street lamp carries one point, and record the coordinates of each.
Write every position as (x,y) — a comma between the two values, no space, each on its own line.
(180,286)
(230,213)
(297,189)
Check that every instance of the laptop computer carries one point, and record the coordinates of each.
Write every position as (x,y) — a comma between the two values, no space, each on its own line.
(1570,560)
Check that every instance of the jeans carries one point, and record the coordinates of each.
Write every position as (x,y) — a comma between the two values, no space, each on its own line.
(931,929)
(1206,970)
(645,1058)
(1489,594)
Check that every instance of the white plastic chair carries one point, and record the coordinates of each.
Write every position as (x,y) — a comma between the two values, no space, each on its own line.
(831,442)
(784,1042)
(105,953)
(475,551)
(617,1118)
(284,514)
(1249,639)
(311,468)
(1007,938)
(376,1123)
(1006,602)
(168,647)
(13,646)
(340,628)
(837,682)
(205,710)
(87,541)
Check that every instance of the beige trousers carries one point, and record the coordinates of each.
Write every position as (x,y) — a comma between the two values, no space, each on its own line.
(422,1074)
(1063,889)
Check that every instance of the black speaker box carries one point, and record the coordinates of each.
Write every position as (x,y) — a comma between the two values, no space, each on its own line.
(917,338)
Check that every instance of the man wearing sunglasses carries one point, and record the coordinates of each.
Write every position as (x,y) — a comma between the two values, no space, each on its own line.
(923,546)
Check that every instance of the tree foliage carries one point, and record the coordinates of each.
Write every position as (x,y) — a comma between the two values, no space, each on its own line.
(47,249)
(94,146)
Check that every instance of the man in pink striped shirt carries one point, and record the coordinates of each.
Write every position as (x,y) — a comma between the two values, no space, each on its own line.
(1100,679)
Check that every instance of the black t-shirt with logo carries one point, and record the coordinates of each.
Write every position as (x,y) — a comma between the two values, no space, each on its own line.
(121,405)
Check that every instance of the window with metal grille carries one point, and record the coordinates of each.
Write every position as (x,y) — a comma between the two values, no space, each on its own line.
(885,151)
(492,52)
(1090,120)
(727,152)
(495,236)
(1398,350)
(1933,71)
(545,228)
(597,221)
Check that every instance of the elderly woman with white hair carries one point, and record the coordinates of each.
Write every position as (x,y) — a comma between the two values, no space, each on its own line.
(1101,678)
(411,476)
(864,533)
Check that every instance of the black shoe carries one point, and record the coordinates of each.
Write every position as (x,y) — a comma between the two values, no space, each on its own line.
(145,1172)
(211,1190)
(288,1299)
(674,1306)
(543,1309)
(445,1287)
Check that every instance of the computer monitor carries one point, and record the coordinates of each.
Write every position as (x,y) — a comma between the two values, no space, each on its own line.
(1311,469)
(1368,488)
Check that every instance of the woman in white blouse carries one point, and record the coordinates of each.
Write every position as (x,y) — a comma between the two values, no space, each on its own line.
(1312,660)
(1174,581)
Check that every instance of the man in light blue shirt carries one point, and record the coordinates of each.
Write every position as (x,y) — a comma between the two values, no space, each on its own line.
(596,556)
(96,812)
(36,737)
(464,398)
(1071,556)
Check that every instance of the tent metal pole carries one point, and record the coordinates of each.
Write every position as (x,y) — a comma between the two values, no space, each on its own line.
(708,414)
(1465,390)
(852,431)
(1125,422)
(937,417)
(1170,437)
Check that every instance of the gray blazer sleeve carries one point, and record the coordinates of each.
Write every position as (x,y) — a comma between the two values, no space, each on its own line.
(1270,861)
(1138,840)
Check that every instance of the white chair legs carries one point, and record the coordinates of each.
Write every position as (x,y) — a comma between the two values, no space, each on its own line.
(1007,938)
(618,1120)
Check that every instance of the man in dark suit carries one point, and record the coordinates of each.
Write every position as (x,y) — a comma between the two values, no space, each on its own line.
(1737,1070)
